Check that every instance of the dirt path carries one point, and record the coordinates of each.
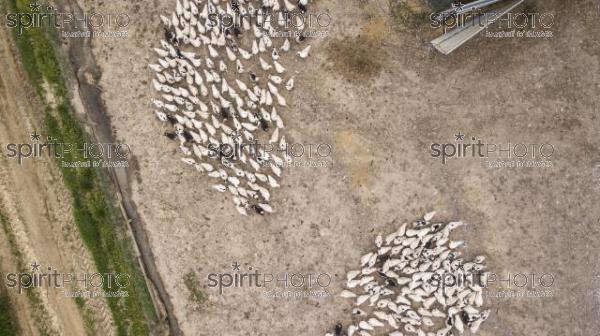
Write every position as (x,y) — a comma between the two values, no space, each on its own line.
(38,205)
(23,310)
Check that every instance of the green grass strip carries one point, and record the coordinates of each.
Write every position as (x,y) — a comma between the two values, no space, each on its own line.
(9,326)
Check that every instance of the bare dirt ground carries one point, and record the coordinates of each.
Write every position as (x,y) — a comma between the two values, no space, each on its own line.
(381,120)
(39,211)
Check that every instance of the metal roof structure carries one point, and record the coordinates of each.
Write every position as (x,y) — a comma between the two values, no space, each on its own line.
(465,8)
(453,39)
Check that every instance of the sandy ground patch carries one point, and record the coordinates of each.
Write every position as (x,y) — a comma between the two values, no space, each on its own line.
(381,127)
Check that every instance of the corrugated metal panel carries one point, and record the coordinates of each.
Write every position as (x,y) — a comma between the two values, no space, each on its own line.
(472,6)
(450,41)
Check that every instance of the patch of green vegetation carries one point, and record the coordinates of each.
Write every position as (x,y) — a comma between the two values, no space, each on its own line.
(100,224)
(407,16)
(9,325)
(439,5)
(80,302)
(88,316)
(40,314)
(12,241)
(193,285)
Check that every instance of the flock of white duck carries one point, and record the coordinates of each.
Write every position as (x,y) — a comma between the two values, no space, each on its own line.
(220,86)
(396,292)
